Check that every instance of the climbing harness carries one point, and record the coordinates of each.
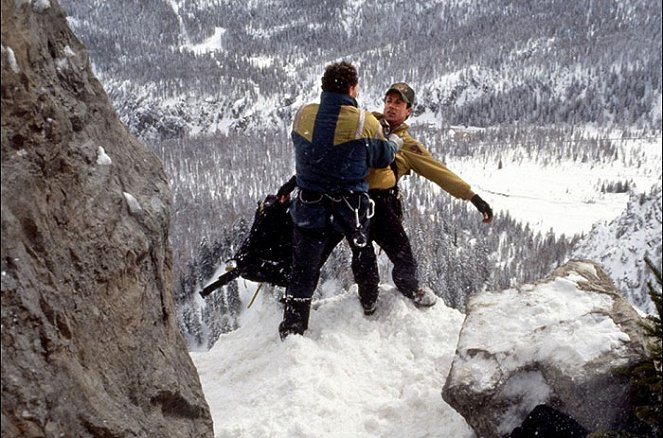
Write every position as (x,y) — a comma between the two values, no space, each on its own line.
(358,237)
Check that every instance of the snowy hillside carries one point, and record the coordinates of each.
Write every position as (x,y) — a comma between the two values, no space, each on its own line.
(179,67)
(621,244)
(565,195)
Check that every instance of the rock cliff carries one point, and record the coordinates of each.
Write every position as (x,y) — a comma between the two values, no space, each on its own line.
(90,346)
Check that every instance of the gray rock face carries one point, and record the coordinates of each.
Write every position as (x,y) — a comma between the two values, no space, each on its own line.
(558,342)
(90,346)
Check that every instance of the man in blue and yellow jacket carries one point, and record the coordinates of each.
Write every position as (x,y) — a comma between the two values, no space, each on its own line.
(335,145)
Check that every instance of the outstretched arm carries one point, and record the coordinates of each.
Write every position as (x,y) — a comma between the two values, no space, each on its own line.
(422,162)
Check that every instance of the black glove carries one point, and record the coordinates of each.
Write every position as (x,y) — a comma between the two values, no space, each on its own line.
(283,195)
(483,207)
(386,128)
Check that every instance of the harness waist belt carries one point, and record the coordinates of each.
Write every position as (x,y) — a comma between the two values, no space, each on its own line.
(310,196)
(383,193)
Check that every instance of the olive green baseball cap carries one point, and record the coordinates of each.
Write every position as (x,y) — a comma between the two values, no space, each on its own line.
(406,92)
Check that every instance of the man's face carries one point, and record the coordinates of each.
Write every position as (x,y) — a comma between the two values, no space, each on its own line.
(395,109)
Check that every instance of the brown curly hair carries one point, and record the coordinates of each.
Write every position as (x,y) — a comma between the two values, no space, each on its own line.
(339,76)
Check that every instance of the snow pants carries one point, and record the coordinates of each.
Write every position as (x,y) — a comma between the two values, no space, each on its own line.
(312,246)
(386,229)
(388,232)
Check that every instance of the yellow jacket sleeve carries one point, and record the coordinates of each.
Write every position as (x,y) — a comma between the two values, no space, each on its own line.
(413,156)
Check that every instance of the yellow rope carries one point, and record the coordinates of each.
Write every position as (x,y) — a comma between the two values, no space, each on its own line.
(254,296)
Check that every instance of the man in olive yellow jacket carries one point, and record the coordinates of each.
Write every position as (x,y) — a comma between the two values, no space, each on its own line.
(386,225)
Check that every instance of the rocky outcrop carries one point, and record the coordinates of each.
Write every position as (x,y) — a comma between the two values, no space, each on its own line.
(90,346)
(559,342)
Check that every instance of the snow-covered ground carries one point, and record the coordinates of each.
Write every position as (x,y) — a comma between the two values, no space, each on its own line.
(349,376)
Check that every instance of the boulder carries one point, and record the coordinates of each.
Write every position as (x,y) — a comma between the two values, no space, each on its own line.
(90,345)
(560,342)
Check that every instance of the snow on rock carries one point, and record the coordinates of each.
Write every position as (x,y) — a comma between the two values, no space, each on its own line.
(102,158)
(134,205)
(11,59)
(41,5)
(557,341)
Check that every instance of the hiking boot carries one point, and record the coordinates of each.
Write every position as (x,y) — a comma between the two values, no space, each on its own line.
(369,309)
(295,317)
(368,297)
(424,297)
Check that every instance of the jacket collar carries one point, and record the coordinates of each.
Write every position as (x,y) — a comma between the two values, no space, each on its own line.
(402,127)
(333,98)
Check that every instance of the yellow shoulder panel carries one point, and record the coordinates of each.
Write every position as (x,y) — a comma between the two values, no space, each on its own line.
(305,120)
(350,120)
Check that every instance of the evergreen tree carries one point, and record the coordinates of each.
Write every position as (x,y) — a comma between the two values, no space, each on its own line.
(647,376)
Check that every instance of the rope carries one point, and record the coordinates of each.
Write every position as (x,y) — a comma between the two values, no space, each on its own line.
(254,296)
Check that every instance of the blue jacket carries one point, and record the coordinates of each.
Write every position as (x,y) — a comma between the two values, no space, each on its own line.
(335,145)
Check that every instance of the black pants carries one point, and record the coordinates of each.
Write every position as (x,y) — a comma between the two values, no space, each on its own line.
(387,231)
(312,248)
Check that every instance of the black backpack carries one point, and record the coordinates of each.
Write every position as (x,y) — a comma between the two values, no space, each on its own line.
(265,256)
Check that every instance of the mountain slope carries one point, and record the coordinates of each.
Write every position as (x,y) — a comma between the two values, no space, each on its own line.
(205,66)
(621,245)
